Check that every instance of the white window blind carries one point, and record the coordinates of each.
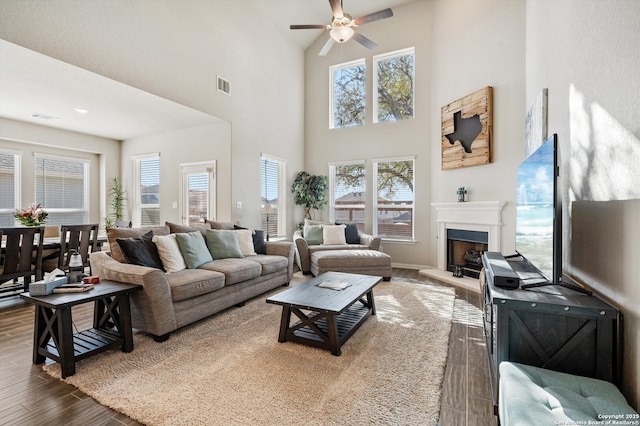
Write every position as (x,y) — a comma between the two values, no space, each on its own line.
(9,187)
(62,188)
(273,194)
(347,192)
(394,200)
(147,200)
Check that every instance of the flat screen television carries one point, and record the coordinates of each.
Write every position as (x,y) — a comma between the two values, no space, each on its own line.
(539,214)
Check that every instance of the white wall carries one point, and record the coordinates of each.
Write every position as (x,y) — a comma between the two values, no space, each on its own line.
(458,51)
(104,155)
(175,49)
(203,143)
(586,54)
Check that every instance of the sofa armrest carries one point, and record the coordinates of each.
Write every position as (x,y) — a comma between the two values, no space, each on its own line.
(370,241)
(285,249)
(152,307)
(302,252)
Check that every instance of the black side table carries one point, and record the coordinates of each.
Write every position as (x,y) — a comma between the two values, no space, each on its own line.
(53,335)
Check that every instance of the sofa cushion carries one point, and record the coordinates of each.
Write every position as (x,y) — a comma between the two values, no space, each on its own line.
(193,248)
(312,234)
(114,233)
(333,234)
(175,228)
(234,270)
(220,225)
(169,252)
(245,240)
(190,283)
(269,263)
(140,251)
(223,244)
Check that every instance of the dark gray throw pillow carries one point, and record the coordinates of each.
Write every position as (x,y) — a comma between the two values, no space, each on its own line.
(140,251)
(351,233)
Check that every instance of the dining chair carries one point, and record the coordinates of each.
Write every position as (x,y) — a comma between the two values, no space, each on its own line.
(17,259)
(81,238)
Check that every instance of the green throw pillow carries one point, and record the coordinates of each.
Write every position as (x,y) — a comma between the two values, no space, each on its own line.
(223,244)
(193,248)
(313,234)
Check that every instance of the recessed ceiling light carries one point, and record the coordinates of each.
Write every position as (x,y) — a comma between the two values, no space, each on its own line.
(81,110)
(45,116)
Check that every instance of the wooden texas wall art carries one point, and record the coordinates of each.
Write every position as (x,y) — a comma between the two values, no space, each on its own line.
(467,125)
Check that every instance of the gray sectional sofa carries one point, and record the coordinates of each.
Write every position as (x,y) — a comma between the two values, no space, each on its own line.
(170,300)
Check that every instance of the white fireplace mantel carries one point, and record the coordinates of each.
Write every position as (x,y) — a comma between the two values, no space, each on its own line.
(483,216)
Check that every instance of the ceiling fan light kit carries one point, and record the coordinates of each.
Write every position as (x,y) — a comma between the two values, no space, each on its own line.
(343,26)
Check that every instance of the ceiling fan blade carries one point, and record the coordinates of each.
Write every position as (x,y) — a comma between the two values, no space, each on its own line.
(310,27)
(327,47)
(336,8)
(381,14)
(366,42)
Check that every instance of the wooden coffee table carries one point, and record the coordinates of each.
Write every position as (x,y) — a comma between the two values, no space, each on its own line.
(53,329)
(327,317)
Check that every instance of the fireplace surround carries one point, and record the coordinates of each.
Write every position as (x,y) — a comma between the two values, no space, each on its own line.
(479,216)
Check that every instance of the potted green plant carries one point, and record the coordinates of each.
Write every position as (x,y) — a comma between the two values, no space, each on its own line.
(310,192)
(117,197)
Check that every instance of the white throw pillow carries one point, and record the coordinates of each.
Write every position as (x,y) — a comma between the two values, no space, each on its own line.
(169,252)
(245,240)
(333,234)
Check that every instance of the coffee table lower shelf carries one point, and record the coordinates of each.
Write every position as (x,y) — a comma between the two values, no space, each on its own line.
(316,329)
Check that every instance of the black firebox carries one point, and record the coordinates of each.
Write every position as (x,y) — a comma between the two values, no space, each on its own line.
(464,250)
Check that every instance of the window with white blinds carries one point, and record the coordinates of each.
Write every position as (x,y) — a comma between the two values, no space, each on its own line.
(272,190)
(9,187)
(147,190)
(62,188)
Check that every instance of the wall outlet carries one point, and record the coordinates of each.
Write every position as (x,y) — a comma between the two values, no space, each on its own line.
(174,205)
(239,205)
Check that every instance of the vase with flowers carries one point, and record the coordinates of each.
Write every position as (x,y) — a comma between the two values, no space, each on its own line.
(34,215)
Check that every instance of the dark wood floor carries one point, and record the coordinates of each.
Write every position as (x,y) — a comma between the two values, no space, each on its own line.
(29,396)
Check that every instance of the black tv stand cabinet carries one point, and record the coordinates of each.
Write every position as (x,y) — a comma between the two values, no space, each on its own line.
(551,327)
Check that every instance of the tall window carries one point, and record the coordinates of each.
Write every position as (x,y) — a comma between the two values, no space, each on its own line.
(198,192)
(347,96)
(147,190)
(273,193)
(394,203)
(394,84)
(9,186)
(347,192)
(62,188)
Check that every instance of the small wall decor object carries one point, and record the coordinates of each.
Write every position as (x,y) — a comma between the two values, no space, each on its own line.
(462,194)
(536,123)
(467,126)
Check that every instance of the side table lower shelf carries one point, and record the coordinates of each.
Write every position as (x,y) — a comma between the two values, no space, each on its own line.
(53,335)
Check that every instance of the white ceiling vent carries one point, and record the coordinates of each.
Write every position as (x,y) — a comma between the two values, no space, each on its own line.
(224,85)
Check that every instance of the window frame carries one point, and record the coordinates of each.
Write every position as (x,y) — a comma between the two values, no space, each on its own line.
(332,188)
(282,191)
(17,185)
(86,182)
(385,56)
(137,201)
(200,167)
(332,70)
(376,205)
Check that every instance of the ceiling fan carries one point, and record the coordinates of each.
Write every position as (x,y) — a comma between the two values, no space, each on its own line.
(343,26)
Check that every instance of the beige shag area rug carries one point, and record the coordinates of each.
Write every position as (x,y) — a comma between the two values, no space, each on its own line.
(230,368)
